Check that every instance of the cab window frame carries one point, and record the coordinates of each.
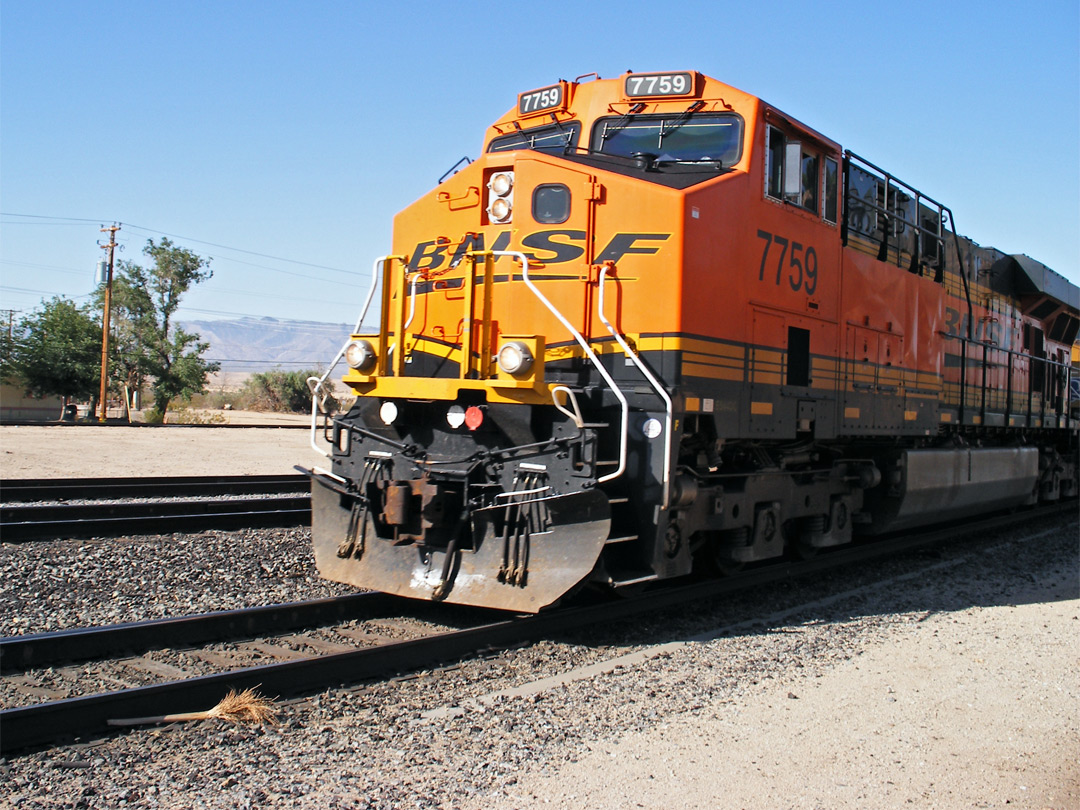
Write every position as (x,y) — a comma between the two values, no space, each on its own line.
(669,122)
(797,173)
(571,130)
(830,190)
(551,219)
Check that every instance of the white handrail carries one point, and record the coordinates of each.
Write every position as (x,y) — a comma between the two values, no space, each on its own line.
(588,352)
(317,387)
(412,310)
(315,422)
(575,414)
(652,381)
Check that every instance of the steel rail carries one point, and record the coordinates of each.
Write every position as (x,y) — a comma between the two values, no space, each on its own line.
(123,423)
(67,489)
(29,726)
(19,653)
(22,523)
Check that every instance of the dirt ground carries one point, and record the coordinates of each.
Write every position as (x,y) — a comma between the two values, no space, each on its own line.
(968,709)
(96,451)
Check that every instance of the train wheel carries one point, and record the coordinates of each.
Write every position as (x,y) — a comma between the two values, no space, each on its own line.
(727,567)
(804,536)
(719,550)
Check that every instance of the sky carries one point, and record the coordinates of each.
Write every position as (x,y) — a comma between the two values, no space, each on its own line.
(280,138)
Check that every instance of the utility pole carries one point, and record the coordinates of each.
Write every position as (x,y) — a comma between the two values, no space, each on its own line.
(111,247)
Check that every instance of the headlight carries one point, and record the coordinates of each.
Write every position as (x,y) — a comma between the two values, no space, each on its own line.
(515,357)
(502,183)
(500,210)
(455,416)
(388,413)
(500,196)
(360,355)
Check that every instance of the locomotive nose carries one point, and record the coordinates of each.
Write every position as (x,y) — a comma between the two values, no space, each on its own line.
(407,555)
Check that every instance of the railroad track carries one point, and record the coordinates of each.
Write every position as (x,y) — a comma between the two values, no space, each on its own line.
(370,655)
(69,489)
(35,509)
(38,650)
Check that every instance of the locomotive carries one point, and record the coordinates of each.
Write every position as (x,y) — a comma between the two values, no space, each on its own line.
(662,326)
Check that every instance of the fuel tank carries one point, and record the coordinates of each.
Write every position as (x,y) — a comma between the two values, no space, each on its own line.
(921,487)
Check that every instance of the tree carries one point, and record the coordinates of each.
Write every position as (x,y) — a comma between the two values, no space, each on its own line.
(149,344)
(57,351)
(8,372)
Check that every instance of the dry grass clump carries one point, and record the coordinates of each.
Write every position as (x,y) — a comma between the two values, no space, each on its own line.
(245,707)
(236,707)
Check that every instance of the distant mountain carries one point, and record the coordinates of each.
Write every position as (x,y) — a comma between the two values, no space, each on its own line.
(260,344)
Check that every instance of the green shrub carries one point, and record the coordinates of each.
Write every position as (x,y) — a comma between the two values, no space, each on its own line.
(282,391)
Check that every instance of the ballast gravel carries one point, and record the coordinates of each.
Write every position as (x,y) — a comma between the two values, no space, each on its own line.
(944,679)
(59,584)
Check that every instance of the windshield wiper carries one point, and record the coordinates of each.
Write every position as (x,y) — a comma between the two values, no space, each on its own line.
(678,122)
(611,129)
(701,164)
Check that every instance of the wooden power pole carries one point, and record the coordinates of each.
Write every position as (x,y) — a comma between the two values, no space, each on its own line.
(111,247)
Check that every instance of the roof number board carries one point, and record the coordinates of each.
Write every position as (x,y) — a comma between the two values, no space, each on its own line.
(546,98)
(658,84)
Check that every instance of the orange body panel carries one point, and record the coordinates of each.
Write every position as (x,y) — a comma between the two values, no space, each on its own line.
(721,273)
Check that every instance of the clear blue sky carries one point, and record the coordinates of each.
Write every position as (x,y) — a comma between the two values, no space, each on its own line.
(297,129)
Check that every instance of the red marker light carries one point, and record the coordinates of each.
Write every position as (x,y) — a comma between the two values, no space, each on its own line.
(474,417)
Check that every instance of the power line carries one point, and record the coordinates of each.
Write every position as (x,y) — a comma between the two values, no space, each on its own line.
(190,239)
(45,267)
(287,272)
(248,252)
(38,292)
(49,224)
(307,276)
(42,216)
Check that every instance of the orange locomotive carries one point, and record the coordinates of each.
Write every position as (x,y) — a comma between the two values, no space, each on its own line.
(660,324)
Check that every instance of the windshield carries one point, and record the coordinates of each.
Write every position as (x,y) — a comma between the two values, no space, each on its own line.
(674,138)
(554,136)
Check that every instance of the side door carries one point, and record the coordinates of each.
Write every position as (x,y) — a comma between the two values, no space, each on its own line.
(860,384)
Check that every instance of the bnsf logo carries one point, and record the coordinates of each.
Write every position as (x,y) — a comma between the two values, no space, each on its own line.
(555,247)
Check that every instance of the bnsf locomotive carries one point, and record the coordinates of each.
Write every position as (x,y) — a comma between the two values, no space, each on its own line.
(661,325)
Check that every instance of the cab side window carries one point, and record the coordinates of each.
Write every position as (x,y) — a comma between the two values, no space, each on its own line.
(775,170)
(810,184)
(793,174)
(831,197)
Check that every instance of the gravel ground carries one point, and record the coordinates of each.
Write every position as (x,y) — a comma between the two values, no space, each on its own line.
(943,680)
(77,583)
